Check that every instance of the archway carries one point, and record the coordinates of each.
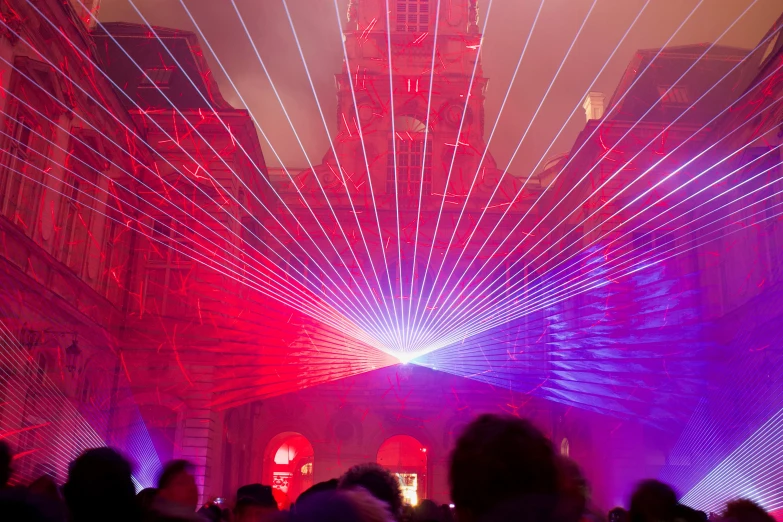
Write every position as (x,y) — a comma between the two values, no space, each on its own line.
(406,457)
(288,464)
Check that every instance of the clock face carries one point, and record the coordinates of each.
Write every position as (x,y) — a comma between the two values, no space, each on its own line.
(366,113)
(452,114)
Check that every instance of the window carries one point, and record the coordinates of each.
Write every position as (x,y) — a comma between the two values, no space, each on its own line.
(413,16)
(409,173)
(20,175)
(112,229)
(76,217)
(288,464)
(157,77)
(673,95)
(169,271)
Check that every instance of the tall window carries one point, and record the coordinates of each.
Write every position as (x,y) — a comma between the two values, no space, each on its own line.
(409,173)
(20,171)
(169,272)
(76,216)
(413,16)
(24,149)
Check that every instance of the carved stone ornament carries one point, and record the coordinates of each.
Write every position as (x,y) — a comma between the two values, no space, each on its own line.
(473,16)
(353,14)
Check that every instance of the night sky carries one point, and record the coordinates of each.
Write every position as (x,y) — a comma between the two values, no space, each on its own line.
(508,24)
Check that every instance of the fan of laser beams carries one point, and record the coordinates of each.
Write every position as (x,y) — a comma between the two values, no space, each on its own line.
(633,348)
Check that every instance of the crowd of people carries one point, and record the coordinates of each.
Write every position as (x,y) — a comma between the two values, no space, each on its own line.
(502,469)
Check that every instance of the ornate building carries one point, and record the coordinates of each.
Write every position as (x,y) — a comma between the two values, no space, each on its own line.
(153,276)
(408,189)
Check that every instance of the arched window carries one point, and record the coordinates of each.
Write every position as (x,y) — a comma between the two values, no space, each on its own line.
(288,464)
(406,457)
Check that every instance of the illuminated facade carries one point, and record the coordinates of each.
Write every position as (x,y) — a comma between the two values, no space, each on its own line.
(161,293)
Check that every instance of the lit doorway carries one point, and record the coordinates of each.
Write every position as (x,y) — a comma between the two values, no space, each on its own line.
(288,466)
(406,457)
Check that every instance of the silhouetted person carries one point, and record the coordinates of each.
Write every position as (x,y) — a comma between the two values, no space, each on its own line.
(100,488)
(427,511)
(503,468)
(211,512)
(5,464)
(653,501)
(618,514)
(255,503)
(572,505)
(378,481)
(177,497)
(344,505)
(45,493)
(745,511)
(320,487)
(145,498)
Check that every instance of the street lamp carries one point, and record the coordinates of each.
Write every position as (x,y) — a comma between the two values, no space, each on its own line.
(72,354)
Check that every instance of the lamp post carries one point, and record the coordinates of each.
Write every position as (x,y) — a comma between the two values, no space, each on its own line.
(72,354)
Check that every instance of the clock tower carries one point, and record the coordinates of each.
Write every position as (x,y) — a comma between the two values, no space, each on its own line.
(410,107)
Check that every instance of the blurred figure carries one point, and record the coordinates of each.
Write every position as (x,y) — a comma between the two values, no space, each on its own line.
(503,468)
(44,492)
(45,487)
(177,496)
(572,505)
(211,512)
(5,464)
(343,505)
(427,511)
(378,481)
(618,514)
(255,503)
(100,488)
(144,499)
(368,507)
(447,513)
(745,511)
(653,501)
(327,485)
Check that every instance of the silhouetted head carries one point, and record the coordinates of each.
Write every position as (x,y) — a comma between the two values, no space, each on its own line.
(100,488)
(211,513)
(255,502)
(427,511)
(5,463)
(378,481)
(145,498)
(498,460)
(346,505)
(327,485)
(618,514)
(46,487)
(745,511)
(177,484)
(573,491)
(652,501)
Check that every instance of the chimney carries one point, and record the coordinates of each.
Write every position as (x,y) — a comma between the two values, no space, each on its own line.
(594,105)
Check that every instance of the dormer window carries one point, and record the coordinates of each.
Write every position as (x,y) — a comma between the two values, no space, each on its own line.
(157,77)
(770,47)
(673,95)
(413,16)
